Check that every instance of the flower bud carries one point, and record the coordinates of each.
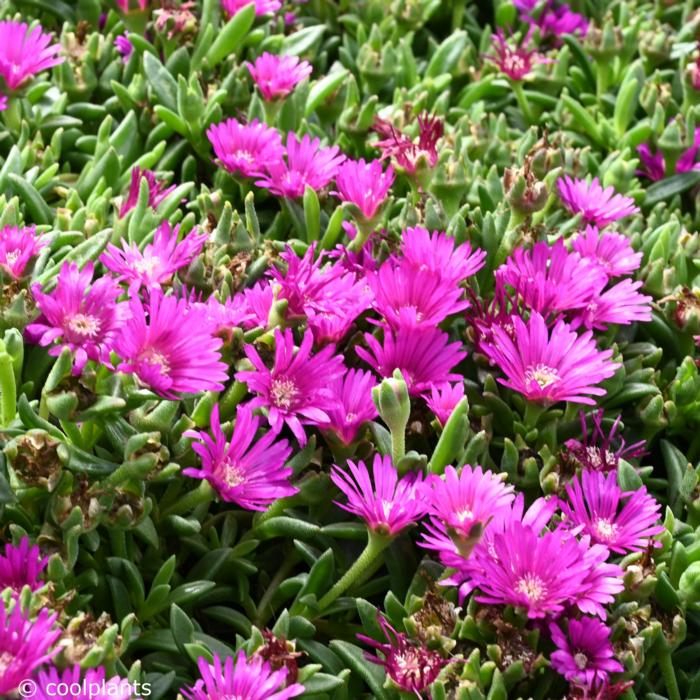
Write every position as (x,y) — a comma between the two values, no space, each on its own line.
(392,402)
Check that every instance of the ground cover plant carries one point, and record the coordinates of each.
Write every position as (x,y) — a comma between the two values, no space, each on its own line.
(349,349)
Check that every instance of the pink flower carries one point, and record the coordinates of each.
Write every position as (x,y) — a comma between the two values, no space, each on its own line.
(584,655)
(443,399)
(602,581)
(599,451)
(251,475)
(92,684)
(262,7)
(364,185)
(353,404)
(241,677)
(296,391)
(3,102)
(157,191)
(277,76)
(170,347)
(539,573)
(654,164)
(24,52)
(80,314)
(307,164)
(413,667)
(18,245)
(597,205)
(547,368)
(516,63)
(406,296)
(424,355)
(159,260)
(125,5)
(612,251)
(440,254)
(21,566)
(461,507)
(621,304)
(257,304)
(245,148)
(549,279)
(407,154)
(623,522)
(387,506)
(25,644)
(124,46)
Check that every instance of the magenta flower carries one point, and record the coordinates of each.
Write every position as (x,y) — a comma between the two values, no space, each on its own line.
(413,667)
(440,254)
(241,677)
(654,164)
(602,581)
(159,260)
(353,404)
(124,46)
(92,685)
(599,451)
(262,7)
(410,297)
(78,314)
(297,390)
(170,347)
(621,304)
(540,574)
(549,279)
(387,506)
(18,245)
(584,654)
(124,5)
(403,149)
(517,63)
(21,566)
(424,355)
(24,52)
(307,164)
(3,102)
(364,184)
(245,148)
(24,644)
(597,205)
(461,507)
(157,191)
(251,476)
(612,251)
(330,297)
(257,303)
(548,368)
(623,522)
(443,399)
(277,76)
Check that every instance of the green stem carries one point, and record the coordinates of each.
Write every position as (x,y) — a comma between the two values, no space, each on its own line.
(8,390)
(272,108)
(398,445)
(523,102)
(12,116)
(669,675)
(457,14)
(202,494)
(376,544)
(601,78)
(364,229)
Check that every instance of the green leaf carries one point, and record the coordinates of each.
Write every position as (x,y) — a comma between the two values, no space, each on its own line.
(322,89)
(627,477)
(300,42)
(312,214)
(665,189)
(371,674)
(231,35)
(163,84)
(181,627)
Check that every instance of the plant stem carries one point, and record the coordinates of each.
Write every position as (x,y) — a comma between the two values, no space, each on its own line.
(398,445)
(669,675)
(8,389)
(523,102)
(265,609)
(376,544)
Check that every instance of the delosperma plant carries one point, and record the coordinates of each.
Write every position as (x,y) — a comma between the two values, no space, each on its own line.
(349,349)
